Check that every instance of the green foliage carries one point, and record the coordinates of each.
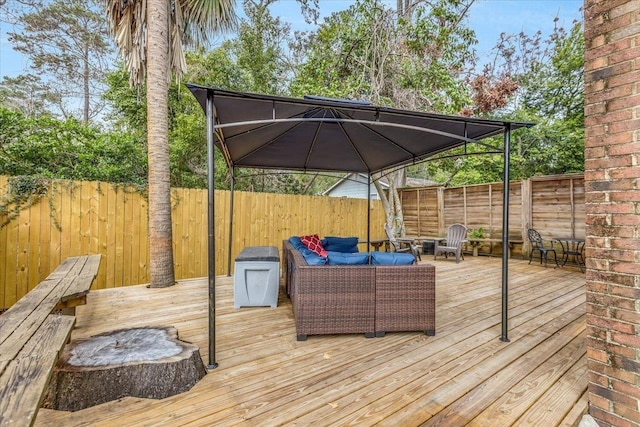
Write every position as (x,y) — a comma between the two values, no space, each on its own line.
(550,75)
(441,51)
(416,63)
(553,97)
(128,110)
(476,233)
(550,147)
(554,89)
(340,51)
(69,149)
(215,68)
(23,192)
(259,49)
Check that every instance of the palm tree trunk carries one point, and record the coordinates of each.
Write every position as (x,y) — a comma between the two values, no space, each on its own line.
(158,76)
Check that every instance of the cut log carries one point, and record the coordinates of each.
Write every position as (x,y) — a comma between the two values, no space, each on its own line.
(143,362)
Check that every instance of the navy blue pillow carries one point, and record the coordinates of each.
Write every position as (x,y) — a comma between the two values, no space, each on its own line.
(391,258)
(340,258)
(345,249)
(341,244)
(350,241)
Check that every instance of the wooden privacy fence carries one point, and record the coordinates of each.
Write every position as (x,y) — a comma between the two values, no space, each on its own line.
(553,205)
(79,218)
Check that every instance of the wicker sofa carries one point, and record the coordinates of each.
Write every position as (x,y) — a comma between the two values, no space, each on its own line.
(369,299)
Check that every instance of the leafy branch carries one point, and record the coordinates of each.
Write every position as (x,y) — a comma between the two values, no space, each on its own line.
(23,192)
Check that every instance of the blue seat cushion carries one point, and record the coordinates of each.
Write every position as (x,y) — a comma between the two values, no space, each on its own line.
(296,242)
(310,256)
(391,258)
(340,258)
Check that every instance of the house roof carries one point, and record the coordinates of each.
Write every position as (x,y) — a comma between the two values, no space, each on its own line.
(411,182)
(320,134)
(348,177)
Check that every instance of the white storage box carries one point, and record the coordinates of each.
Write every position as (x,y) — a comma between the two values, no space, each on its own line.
(256,277)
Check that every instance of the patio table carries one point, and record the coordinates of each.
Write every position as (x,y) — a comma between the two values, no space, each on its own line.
(379,242)
(572,247)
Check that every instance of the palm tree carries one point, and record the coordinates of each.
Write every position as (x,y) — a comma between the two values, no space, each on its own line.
(151,35)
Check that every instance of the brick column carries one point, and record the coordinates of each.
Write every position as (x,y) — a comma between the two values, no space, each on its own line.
(612,184)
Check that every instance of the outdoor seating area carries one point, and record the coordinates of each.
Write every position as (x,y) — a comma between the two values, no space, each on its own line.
(565,250)
(464,374)
(472,167)
(368,299)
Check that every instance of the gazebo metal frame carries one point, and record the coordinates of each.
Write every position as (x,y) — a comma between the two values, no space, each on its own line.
(332,135)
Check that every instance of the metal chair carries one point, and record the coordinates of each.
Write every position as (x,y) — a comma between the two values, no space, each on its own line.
(456,236)
(403,245)
(537,244)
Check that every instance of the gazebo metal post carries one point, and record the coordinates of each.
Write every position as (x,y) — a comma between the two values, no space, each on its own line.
(211,259)
(368,212)
(233,182)
(505,236)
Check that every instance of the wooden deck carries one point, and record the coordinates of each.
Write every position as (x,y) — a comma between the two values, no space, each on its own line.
(462,376)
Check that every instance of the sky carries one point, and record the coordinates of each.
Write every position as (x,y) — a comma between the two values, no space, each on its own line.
(488,18)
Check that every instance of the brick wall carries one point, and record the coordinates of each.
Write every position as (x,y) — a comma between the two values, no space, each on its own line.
(612,184)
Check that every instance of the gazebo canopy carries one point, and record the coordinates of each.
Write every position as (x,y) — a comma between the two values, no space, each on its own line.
(322,134)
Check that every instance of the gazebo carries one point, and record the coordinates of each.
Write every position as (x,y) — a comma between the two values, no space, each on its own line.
(316,134)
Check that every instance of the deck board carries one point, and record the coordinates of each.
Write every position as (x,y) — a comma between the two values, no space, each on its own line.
(520,397)
(462,375)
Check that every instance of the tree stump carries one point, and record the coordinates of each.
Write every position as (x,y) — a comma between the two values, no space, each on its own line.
(144,362)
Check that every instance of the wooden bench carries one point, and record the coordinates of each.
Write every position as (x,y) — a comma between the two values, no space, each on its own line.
(476,243)
(32,336)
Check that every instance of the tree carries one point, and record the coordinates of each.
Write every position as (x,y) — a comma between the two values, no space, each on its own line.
(151,36)
(26,93)
(71,52)
(259,49)
(536,80)
(553,97)
(158,76)
(412,58)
